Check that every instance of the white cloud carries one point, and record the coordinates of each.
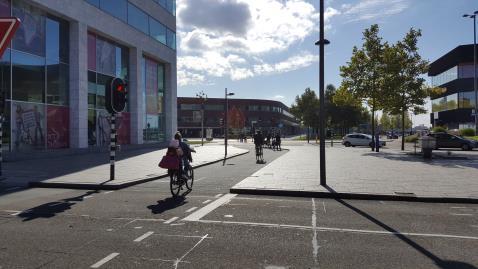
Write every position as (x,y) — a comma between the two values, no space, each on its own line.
(218,42)
(279,97)
(373,9)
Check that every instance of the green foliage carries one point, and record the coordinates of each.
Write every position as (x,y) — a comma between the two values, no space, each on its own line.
(473,137)
(411,138)
(439,129)
(467,132)
(306,108)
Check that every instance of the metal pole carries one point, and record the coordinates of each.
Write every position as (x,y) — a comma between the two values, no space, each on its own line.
(322,97)
(475,75)
(112,147)
(202,125)
(1,143)
(225,124)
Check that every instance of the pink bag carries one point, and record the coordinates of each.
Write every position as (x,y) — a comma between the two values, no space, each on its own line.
(169,162)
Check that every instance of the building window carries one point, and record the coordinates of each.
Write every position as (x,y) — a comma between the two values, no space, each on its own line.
(466,100)
(30,36)
(153,92)
(116,8)
(32,67)
(157,30)
(138,19)
(448,102)
(445,77)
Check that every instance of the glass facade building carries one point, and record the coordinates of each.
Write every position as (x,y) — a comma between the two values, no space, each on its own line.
(55,70)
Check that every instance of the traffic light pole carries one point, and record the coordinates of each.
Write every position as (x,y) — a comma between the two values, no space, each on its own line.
(1,144)
(112,146)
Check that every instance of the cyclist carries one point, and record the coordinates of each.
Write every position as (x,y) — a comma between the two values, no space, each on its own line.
(185,154)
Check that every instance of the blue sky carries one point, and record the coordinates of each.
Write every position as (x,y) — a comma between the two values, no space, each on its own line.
(265,49)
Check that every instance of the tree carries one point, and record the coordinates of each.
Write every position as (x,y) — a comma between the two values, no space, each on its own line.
(363,73)
(348,110)
(405,88)
(386,122)
(306,108)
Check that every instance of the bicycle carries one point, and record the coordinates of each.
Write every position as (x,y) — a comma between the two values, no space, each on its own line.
(176,183)
(259,154)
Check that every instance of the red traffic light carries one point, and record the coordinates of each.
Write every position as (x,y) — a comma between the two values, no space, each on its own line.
(120,87)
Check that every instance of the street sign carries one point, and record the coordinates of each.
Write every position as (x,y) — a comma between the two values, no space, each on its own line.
(8,26)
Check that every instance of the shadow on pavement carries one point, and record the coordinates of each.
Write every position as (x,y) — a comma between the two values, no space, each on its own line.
(443,162)
(444,264)
(168,204)
(51,209)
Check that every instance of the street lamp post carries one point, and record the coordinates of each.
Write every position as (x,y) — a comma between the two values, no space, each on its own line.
(203,97)
(226,127)
(321,43)
(475,82)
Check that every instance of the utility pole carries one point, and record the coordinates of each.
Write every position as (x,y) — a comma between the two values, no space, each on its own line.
(203,97)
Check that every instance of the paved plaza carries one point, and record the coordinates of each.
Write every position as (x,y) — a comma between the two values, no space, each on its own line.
(92,171)
(359,171)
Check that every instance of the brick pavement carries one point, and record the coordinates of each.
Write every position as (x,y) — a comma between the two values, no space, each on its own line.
(360,172)
(91,171)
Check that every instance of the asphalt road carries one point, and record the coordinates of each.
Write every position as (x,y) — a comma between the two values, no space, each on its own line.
(143,227)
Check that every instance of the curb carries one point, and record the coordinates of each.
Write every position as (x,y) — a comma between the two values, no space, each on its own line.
(105,186)
(354,196)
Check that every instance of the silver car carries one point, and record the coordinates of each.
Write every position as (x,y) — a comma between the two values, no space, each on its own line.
(359,140)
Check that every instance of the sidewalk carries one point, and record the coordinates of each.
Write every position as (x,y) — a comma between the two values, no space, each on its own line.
(361,174)
(92,171)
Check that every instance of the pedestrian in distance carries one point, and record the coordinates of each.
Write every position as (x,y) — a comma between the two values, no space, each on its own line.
(258,141)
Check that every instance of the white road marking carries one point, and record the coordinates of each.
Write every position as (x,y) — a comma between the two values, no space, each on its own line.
(197,215)
(315,245)
(105,260)
(191,209)
(185,254)
(177,224)
(138,227)
(228,216)
(16,213)
(323,203)
(87,197)
(199,179)
(109,230)
(144,236)
(458,207)
(171,220)
(460,214)
(181,235)
(331,229)
(218,195)
(108,192)
(207,201)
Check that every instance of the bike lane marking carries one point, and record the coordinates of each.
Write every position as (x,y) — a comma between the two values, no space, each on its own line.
(105,260)
(197,215)
(207,201)
(144,236)
(171,220)
(191,209)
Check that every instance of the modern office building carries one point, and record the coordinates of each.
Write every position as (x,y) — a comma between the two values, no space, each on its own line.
(55,70)
(453,72)
(244,116)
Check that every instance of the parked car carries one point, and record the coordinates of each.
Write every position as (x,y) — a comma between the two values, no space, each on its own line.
(359,140)
(445,140)
(391,135)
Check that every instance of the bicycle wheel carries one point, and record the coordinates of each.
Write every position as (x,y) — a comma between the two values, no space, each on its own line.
(190,180)
(174,182)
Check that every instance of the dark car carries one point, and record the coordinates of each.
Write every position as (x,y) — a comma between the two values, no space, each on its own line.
(444,140)
(391,135)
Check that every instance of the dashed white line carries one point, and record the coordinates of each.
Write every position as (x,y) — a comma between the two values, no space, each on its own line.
(460,214)
(138,227)
(197,215)
(228,216)
(315,245)
(105,260)
(218,195)
(191,209)
(207,201)
(144,236)
(171,220)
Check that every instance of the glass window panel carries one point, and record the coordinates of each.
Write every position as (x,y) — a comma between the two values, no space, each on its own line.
(118,61)
(161,78)
(117,8)
(100,90)
(157,30)
(58,127)
(91,127)
(151,87)
(124,63)
(467,100)
(5,8)
(452,101)
(162,3)
(91,52)
(91,89)
(138,19)
(64,41)
(31,67)
(30,36)
(52,40)
(106,57)
(171,6)
(28,127)
(58,84)
(171,39)
(95,3)
(5,73)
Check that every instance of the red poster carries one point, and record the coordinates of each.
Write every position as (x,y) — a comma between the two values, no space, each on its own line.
(124,129)
(58,126)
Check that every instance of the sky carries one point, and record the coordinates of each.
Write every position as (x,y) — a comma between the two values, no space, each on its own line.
(264,49)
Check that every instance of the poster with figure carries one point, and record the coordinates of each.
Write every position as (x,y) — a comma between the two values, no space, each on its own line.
(28,126)
(58,127)
(124,131)
(103,128)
